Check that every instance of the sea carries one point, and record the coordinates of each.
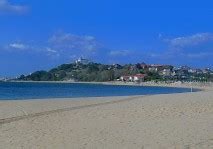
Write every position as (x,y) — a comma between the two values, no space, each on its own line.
(31,90)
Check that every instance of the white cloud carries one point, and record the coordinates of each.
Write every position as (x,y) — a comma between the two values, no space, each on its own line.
(18,46)
(53,54)
(187,48)
(199,55)
(6,7)
(60,45)
(192,47)
(51,50)
(67,45)
(74,42)
(192,40)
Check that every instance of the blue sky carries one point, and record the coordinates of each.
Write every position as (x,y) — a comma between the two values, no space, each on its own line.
(41,34)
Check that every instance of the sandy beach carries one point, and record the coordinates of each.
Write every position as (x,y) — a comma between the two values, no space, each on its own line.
(182,120)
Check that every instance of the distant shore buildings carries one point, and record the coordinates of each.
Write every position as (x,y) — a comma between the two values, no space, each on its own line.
(85,70)
(133,78)
(166,72)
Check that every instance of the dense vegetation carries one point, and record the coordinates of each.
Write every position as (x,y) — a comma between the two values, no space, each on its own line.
(100,72)
(80,72)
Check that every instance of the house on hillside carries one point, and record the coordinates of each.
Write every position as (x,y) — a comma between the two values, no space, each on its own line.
(206,71)
(133,78)
(139,77)
(192,70)
(155,68)
(126,78)
(198,71)
(165,72)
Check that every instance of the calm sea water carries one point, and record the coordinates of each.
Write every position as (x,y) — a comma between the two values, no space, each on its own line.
(13,91)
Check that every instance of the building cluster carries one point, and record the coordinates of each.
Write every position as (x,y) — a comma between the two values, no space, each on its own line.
(167,72)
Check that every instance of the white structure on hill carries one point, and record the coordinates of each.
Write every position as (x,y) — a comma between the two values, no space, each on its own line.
(82,61)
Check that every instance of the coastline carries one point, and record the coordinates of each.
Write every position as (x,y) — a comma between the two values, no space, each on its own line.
(157,121)
(203,86)
(160,114)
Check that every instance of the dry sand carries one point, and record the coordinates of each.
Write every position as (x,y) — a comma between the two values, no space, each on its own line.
(160,121)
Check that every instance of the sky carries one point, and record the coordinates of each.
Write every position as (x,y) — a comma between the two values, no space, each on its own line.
(42,34)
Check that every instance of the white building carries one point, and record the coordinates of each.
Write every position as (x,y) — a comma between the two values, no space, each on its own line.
(82,61)
(139,77)
(166,72)
(133,78)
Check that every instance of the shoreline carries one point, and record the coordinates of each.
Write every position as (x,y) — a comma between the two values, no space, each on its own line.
(114,83)
(157,121)
(149,83)
(204,86)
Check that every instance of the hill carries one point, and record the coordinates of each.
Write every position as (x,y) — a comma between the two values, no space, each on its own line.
(97,72)
(81,72)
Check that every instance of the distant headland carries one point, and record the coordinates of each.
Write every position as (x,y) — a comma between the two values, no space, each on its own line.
(88,71)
